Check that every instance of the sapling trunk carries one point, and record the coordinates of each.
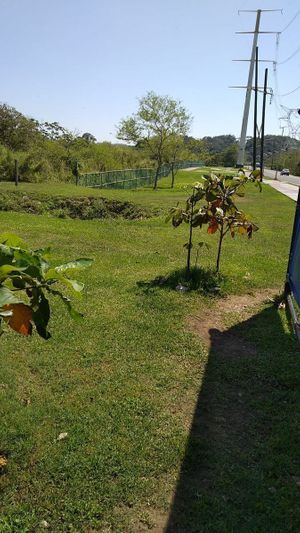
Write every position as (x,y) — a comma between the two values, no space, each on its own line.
(156,176)
(188,264)
(220,247)
(173,175)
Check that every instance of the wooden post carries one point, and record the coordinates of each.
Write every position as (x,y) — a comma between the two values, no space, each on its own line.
(76,172)
(16,172)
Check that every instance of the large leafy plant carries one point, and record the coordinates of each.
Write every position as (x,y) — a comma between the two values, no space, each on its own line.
(213,203)
(26,281)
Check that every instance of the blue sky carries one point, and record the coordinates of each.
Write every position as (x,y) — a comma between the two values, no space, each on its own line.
(84,63)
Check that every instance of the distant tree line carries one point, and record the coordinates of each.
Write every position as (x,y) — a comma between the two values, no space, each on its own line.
(49,152)
(157,134)
(281,151)
(220,150)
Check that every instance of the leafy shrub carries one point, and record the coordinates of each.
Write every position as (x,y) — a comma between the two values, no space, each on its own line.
(213,203)
(27,280)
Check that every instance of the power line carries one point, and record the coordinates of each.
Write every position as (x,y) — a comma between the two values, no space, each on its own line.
(291,92)
(290,57)
(291,21)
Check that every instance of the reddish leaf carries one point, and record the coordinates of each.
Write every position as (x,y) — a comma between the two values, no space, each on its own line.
(20,319)
(213,227)
(216,203)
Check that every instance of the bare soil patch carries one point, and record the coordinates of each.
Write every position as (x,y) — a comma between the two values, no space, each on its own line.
(213,322)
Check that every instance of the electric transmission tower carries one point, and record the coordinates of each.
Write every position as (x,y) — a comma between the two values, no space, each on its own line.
(292,121)
(248,87)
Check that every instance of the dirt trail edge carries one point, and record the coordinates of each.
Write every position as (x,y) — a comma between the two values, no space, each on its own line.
(216,318)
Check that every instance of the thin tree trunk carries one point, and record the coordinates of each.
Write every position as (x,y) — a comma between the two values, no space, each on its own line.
(173,175)
(156,176)
(188,265)
(220,247)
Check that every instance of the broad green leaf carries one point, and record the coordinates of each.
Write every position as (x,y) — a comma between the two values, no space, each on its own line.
(77,264)
(6,255)
(44,257)
(73,313)
(51,274)
(12,240)
(25,258)
(7,297)
(7,269)
(77,286)
(54,274)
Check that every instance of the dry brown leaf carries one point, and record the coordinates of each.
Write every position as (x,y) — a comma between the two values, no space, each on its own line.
(3,462)
(20,320)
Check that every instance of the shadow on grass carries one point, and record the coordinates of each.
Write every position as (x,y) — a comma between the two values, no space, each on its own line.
(242,459)
(206,281)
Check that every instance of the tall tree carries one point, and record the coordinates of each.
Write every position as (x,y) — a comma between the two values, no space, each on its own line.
(229,155)
(17,132)
(174,152)
(157,119)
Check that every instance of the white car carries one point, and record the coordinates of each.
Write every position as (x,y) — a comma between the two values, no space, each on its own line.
(285,172)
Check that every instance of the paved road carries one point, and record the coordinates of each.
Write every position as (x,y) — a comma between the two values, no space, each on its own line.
(293,180)
(285,188)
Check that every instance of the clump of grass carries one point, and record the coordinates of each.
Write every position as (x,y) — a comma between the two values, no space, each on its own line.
(204,280)
(84,208)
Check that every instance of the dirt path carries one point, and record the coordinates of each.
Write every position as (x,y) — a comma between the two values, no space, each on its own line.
(215,318)
(216,421)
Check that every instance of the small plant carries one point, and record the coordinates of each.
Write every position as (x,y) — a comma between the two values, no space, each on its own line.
(212,203)
(26,280)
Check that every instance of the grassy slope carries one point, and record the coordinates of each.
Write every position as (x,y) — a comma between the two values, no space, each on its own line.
(166,197)
(125,381)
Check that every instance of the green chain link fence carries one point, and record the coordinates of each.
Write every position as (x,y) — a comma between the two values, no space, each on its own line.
(129,178)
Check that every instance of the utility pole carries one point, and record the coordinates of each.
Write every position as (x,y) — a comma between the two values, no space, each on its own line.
(263,126)
(241,152)
(255,110)
(256,32)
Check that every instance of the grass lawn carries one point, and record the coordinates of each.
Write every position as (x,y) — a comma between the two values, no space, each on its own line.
(163,432)
(164,198)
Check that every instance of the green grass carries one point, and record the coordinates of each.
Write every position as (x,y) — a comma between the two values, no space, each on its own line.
(124,382)
(164,197)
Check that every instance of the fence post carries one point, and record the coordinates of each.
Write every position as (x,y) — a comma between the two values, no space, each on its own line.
(76,172)
(16,172)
